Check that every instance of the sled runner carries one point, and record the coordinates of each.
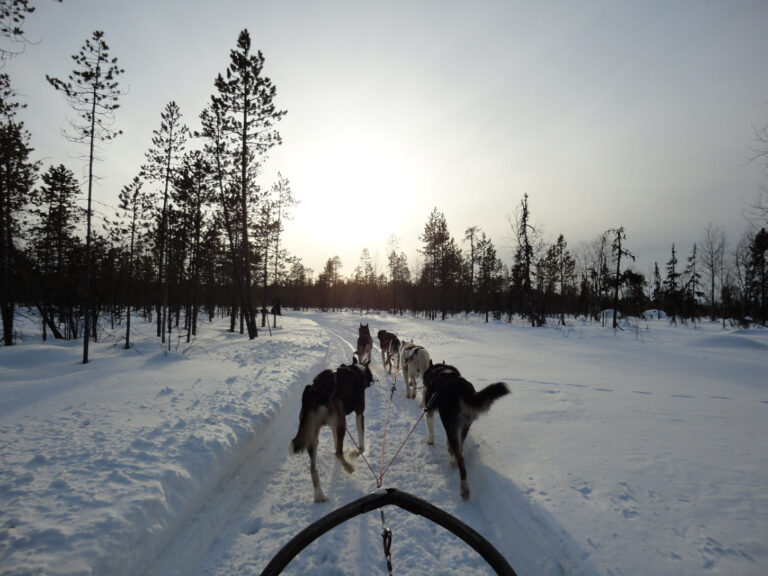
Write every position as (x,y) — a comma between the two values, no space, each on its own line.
(379,499)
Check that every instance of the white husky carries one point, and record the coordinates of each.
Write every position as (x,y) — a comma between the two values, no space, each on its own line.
(414,361)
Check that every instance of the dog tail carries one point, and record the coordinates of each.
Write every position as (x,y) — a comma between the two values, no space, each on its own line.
(484,398)
(301,440)
(295,447)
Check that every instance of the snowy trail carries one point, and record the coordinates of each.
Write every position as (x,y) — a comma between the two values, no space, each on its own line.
(618,453)
(269,499)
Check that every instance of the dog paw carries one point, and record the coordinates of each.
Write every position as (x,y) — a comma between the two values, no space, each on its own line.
(464,491)
(354,453)
(349,469)
(320,497)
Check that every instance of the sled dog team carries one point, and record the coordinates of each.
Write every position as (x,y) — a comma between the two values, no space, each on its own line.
(334,394)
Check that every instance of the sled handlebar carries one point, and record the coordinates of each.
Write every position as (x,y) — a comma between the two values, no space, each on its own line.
(374,501)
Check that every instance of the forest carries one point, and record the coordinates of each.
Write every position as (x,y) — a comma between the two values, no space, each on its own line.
(196,234)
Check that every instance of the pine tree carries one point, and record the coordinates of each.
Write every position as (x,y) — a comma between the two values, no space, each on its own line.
(13,14)
(618,253)
(757,277)
(522,269)
(247,97)
(470,235)
(17,177)
(134,208)
(194,184)
(163,160)
(216,126)
(92,91)
(658,292)
(442,263)
(283,200)
(54,238)
(713,248)
(489,276)
(566,271)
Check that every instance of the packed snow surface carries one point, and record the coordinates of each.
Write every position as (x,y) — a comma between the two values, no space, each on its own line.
(637,451)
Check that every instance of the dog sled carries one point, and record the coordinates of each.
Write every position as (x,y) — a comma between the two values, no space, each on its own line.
(375,501)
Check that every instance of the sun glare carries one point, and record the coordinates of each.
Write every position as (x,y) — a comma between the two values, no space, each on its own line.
(355,195)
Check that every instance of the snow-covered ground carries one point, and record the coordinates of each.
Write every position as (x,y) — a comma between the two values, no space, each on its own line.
(643,451)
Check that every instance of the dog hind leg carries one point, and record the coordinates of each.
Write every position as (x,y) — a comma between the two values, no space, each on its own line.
(319,496)
(455,448)
(456,429)
(360,422)
(339,429)
(430,427)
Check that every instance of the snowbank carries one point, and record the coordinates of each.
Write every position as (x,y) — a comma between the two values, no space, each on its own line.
(101,463)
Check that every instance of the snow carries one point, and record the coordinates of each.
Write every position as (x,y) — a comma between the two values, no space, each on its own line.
(637,451)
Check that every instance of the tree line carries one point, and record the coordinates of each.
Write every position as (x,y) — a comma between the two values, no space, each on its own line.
(549,281)
(195,234)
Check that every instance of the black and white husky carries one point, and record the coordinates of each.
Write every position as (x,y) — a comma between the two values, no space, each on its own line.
(446,391)
(332,395)
(414,361)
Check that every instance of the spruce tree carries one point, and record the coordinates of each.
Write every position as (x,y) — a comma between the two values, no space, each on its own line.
(672,287)
(691,291)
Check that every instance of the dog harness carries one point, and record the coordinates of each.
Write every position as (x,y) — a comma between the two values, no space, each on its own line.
(411,351)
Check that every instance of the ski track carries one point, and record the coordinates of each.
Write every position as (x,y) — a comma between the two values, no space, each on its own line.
(256,510)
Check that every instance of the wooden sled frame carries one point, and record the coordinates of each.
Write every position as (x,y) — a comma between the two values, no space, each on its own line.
(374,501)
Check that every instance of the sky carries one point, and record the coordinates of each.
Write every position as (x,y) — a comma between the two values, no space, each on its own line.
(607,114)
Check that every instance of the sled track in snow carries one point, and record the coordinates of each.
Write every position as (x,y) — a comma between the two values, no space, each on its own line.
(252,513)
(189,550)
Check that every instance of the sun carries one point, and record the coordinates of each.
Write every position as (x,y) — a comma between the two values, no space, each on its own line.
(354,195)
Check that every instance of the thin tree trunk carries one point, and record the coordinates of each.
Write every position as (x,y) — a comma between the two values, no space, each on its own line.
(87,278)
